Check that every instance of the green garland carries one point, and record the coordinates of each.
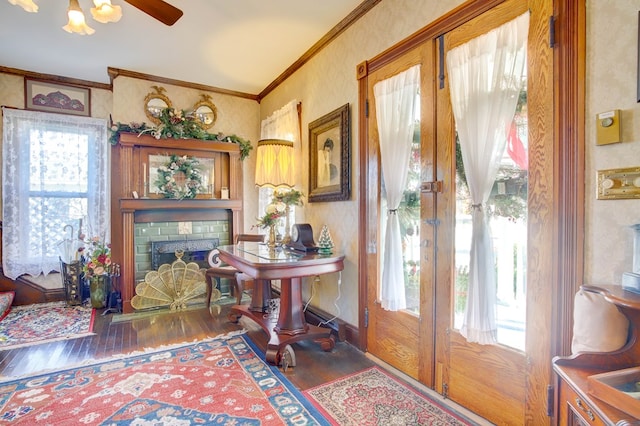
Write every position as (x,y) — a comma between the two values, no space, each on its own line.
(290,197)
(187,186)
(178,125)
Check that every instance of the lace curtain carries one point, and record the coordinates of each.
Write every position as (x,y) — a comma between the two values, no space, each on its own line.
(485,81)
(281,124)
(54,175)
(395,112)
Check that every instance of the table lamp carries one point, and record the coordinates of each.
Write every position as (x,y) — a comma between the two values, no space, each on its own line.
(274,168)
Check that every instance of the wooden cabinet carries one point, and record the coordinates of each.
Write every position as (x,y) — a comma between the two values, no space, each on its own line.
(576,405)
(130,169)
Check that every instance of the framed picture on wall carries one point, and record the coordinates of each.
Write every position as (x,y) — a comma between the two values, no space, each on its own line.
(47,96)
(330,157)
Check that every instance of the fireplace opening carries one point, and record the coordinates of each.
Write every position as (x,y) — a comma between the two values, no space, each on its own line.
(194,251)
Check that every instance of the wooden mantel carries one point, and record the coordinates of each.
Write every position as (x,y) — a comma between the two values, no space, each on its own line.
(129,163)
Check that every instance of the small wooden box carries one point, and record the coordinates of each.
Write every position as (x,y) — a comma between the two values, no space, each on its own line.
(616,389)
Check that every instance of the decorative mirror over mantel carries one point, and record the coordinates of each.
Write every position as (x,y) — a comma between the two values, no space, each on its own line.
(155,102)
(205,112)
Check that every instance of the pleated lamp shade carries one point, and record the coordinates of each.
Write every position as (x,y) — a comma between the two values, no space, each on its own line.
(274,163)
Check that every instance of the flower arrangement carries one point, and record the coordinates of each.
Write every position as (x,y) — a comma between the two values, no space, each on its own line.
(97,255)
(178,124)
(179,178)
(273,212)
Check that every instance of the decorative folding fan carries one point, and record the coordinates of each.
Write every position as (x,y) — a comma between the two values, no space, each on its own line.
(172,285)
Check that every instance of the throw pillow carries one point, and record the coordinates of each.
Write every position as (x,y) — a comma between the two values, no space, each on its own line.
(6,299)
(598,325)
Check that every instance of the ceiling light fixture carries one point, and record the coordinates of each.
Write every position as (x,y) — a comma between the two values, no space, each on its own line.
(103,12)
(77,23)
(27,5)
(106,12)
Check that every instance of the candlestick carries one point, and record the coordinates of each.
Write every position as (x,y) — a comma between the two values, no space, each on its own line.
(213,183)
(144,181)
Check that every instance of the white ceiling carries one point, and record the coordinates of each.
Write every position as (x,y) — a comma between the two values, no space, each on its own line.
(239,45)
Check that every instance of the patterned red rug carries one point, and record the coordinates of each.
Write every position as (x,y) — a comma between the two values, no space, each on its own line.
(44,322)
(374,397)
(221,381)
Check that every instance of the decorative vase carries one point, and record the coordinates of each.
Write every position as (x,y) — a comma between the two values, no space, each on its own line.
(271,241)
(99,289)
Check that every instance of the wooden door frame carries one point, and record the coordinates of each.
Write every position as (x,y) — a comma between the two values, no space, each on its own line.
(567,39)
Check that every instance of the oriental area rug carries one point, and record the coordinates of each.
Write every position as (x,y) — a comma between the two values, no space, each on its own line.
(218,381)
(374,397)
(43,323)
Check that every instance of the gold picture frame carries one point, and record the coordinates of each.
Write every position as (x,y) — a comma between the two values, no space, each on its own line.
(330,157)
(51,96)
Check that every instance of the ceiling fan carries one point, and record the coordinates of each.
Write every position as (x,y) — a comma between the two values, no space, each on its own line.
(158,9)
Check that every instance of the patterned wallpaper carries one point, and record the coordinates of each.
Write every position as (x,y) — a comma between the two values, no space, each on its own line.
(611,83)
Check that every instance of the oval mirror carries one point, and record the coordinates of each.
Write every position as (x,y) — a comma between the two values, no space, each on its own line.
(154,103)
(205,112)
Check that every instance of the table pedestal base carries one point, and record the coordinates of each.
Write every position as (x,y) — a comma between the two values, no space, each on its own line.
(279,340)
(288,324)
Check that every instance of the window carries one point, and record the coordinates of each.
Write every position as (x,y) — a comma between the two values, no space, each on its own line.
(55,185)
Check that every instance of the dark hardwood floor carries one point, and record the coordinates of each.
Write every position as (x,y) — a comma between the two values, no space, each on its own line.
(313,368)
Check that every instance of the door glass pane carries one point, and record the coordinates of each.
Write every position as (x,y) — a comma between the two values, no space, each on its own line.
(507,213)
(409,217)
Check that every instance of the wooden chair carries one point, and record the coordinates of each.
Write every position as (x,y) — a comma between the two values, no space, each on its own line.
(218,270)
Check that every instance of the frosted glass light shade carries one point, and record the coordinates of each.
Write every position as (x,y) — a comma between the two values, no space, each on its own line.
(27,5)
(274,163)
(77,23)
(106,12)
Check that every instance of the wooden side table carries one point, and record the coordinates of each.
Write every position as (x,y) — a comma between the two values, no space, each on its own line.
(263,265)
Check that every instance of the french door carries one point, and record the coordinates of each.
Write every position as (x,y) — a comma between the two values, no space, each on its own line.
(399,337)
(502,382)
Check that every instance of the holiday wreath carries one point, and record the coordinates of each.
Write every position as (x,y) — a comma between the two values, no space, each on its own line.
(179,178)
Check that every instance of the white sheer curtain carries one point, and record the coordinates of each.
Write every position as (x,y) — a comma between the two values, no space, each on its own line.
(281,124)
(485,81)
(55,173)
(395,112)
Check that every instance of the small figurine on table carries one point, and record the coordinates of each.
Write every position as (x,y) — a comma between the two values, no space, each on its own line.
(325,243)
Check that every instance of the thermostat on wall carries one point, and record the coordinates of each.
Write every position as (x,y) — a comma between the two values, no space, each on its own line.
(608,127)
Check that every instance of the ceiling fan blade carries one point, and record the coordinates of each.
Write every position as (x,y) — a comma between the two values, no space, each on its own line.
(161,10)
